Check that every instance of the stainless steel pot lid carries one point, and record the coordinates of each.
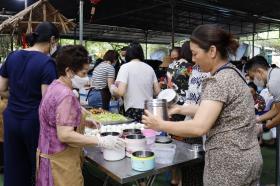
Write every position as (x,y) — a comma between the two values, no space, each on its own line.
(169,95)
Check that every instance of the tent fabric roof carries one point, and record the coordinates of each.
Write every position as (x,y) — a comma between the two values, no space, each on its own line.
(27,19)
(133,19)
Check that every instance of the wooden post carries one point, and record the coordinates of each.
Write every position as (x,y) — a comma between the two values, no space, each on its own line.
(44,11)
(29,27)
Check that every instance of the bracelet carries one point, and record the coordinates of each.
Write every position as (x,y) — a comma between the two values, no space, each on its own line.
(265,129)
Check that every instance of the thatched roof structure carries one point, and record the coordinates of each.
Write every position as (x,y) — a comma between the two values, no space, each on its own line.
(26,20)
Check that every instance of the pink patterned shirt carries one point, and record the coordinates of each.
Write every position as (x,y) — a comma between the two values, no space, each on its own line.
(59,106)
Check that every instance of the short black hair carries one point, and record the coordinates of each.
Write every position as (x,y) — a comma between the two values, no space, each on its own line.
(134,51)
(73,57)
(43,33)
(186,52)
(253,86)
(124,48)
(257,62)
(111,55)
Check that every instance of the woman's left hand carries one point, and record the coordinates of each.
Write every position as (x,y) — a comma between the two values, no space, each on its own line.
(151,121)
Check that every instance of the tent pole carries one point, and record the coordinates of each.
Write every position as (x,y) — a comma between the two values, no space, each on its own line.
(81,21)
(253,42)
(172,22)
(277,156)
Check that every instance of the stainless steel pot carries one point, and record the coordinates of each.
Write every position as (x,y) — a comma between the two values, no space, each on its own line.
(113,154)
(134,142)
(143,160)
(157,107)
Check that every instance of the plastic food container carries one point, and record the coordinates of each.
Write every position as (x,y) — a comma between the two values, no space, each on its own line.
(113,154)
(164,154)
(143,160)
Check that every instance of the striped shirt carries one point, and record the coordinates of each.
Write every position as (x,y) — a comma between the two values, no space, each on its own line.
(100,75)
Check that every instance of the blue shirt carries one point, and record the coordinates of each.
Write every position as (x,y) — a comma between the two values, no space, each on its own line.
(26,71)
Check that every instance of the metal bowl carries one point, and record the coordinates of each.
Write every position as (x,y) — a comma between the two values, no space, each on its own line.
(131,131)
(110,134)
(163,139)
(135,136)
(143,154)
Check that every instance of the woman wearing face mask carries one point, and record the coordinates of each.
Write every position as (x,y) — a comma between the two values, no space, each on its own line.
(60,113)
(225,113)
(81,80)
(24,78)
(103,77)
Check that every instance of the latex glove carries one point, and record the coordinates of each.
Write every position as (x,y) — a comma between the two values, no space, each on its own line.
(112,89)
(76,93)
(110,142)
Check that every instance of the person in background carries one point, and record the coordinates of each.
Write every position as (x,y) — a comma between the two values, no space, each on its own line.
(225,113)
(263,75)
(60,144)
(136,82)
(258,99)
(103,77)
(122,55)
(178,74)
(24,79)
(244,60)
(175,54)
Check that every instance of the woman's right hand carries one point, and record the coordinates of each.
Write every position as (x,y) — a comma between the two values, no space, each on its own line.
(175,109)
(110,142)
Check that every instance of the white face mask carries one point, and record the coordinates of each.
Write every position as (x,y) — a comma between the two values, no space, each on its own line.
(79,82)
(53,49)
(259,83)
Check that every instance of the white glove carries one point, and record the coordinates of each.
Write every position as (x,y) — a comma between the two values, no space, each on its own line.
(112,89)
(110,142)
(76,93)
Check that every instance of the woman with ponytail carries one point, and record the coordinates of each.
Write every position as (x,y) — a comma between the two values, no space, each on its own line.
(24,78)
(225,113)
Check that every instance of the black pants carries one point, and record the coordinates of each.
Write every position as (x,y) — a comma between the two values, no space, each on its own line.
(134,113)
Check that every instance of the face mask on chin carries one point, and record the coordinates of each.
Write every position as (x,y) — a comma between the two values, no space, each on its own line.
(79,82)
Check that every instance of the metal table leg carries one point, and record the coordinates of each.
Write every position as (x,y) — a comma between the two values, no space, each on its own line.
(106,181)
(151,180)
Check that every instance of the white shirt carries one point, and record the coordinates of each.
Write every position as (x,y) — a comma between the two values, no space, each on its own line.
(273,82)
(140,79)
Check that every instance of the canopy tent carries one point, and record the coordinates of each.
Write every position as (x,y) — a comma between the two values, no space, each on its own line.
(148,17)
(26,20)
